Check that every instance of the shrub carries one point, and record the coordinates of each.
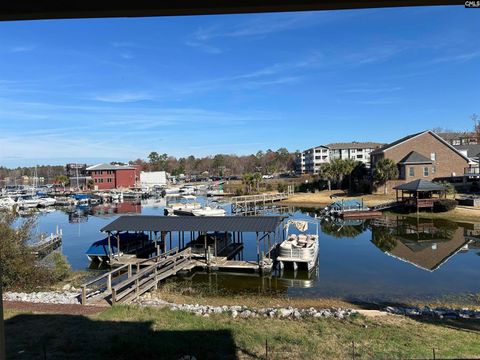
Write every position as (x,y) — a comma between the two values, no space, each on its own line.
(281,187)
(443,205)
(20,269)
(59,267)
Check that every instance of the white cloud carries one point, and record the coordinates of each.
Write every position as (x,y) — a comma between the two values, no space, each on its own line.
(122,97)
(21,48)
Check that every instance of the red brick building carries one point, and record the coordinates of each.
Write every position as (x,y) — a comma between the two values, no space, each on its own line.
(106,176)
(424,155)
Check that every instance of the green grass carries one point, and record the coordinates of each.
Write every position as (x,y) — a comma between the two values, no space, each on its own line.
(124,332)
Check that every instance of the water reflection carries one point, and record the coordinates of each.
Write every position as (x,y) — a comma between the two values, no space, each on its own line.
(373,260)
(424,243)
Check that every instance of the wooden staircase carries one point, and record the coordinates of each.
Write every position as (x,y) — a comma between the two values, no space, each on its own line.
(135,279)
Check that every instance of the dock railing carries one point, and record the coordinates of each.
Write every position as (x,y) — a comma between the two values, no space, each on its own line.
(106,279)
(148,278)
(246,203)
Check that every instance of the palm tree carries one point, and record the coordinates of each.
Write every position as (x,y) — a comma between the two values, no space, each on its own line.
(247,180)
(338,170)
(348,167)
(385,169)
(257,178)
(326,173)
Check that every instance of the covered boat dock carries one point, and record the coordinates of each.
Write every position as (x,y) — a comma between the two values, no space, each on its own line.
(420,194)
(214,240)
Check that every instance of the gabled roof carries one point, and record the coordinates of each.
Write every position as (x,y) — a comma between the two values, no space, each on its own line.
(354,145)
(473,150)
(456,135)
(396,142)
(109,167)
(420,185)
(408,137)
(414,157)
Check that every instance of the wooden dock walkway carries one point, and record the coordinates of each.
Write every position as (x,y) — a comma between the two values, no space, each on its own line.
(252,203)
(131,280)
(46,245)
(137,276)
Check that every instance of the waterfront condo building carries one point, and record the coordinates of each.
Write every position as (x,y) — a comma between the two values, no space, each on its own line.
(310,160)
(107,176)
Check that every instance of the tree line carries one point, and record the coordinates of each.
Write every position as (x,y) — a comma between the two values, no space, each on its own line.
(264,162)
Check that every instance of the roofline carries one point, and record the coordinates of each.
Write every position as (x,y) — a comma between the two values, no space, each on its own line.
(23,10)
(416,162)
(120,167)
(421,133)
(443,261)
(387,147)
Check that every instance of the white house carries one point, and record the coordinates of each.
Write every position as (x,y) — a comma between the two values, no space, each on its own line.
(153,178)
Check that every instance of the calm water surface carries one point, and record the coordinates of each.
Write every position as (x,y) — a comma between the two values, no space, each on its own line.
(389,259)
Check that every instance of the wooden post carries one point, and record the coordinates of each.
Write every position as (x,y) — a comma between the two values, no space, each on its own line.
(109,282)
(129,270)
(84,295)
(109,249)
(118,245)
(269,247)
(258,250)
(114,296)
(205,245)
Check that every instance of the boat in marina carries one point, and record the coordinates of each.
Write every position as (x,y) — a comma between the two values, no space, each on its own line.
(299,250)
(129,244)
(7,203)
(182,208)
(188,189)
(46,201)
(28,202)
(208,211)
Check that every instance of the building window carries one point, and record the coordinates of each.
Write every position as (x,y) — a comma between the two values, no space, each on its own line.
(109,180)
(425,171)
(433,156)
(411,171)
(359,156)
(317,157)
(456,142)
(433,169)
(96,180)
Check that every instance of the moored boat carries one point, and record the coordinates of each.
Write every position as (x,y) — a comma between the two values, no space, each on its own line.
(128,242)
(299,250)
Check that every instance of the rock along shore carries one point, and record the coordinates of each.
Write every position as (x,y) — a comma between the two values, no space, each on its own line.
(71,296)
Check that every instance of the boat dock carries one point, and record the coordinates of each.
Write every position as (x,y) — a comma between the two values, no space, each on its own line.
(207,243)
(47,244)
(252,204)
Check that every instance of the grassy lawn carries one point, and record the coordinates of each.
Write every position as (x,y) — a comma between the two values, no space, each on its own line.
(322,198)
(124,332)
(460,214)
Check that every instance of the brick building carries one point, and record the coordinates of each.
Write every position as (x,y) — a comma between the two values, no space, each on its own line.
(423,155)
(106,176)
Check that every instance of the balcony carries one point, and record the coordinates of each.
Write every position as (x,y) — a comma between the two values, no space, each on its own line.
(472,171)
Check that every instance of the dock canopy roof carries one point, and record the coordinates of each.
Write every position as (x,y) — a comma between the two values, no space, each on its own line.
(420,185)
(194,223)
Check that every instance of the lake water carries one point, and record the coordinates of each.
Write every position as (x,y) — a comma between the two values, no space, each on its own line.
(389,259)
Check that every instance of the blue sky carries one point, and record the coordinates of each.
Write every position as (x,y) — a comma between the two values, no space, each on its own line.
(115,89)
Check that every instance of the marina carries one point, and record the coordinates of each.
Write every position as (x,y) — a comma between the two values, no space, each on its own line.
(350,252)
